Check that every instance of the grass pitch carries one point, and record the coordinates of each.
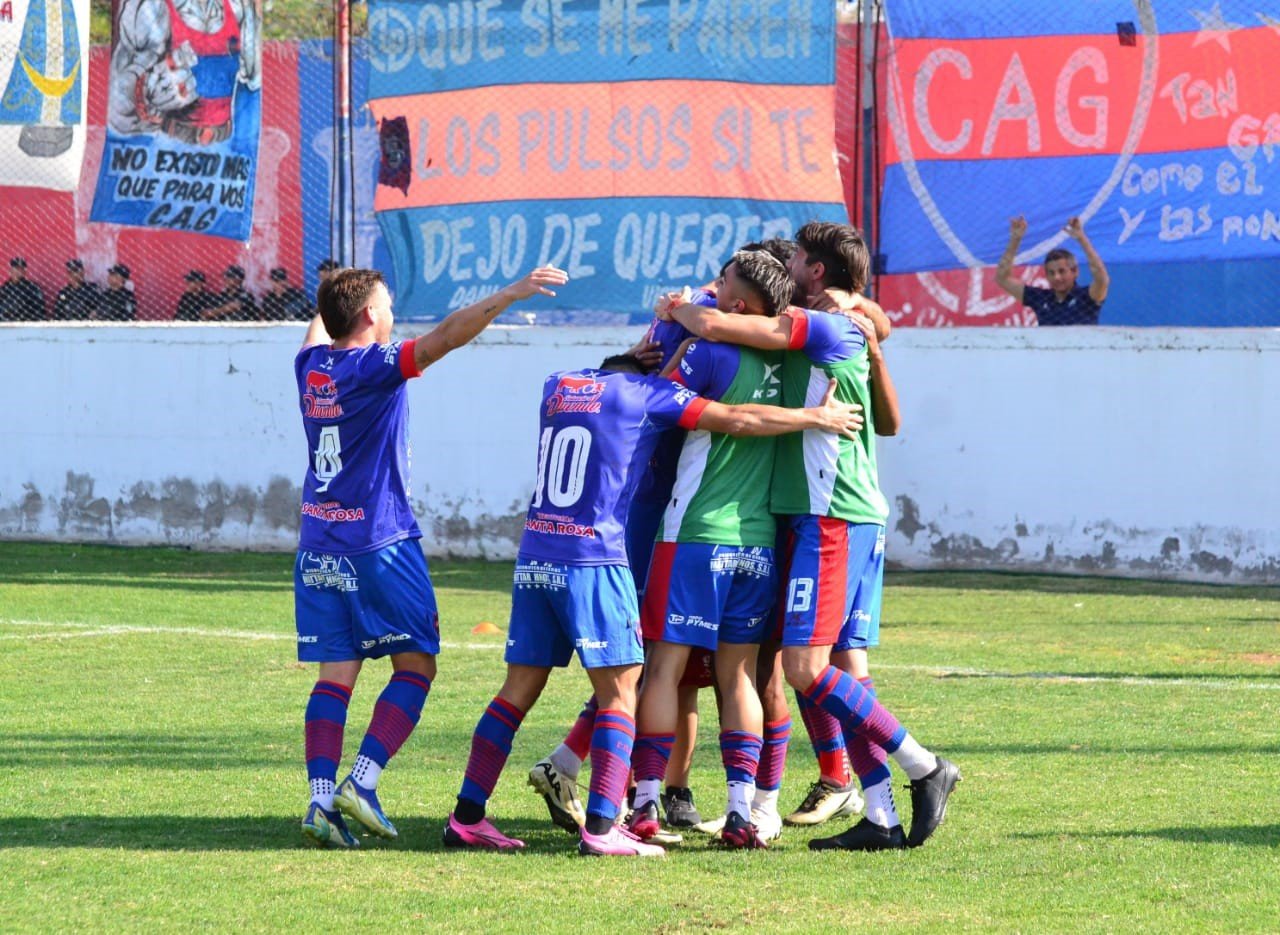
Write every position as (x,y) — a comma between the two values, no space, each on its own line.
(1118,742)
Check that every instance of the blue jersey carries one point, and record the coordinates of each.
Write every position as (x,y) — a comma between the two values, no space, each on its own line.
(355,497)
(598,429)
(1078,308)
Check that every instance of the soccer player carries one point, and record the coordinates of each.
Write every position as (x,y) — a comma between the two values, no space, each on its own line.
(573,588)
(361,585)
(830,493)
(712,580)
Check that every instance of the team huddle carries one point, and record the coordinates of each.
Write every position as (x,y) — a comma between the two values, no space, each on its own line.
(713,490)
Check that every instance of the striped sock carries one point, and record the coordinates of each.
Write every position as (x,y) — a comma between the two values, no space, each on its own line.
(649,761)
(870,761)
(490,747)
(839,694)
(740,753)
(773,755)
(578,739)
(395,714)
(325,720)
(828,742)
(611,744)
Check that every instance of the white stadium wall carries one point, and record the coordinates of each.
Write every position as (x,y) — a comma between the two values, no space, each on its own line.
(1149,453)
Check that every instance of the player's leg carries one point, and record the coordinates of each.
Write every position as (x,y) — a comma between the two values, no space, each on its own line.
(777,737)
(741,739)
(677,799)
(601,617)
(393,613)
(325,636)
(811,631)
(555,777)
(536,642)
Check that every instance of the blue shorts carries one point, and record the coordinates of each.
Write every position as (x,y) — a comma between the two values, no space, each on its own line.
(557,608)
(378,603)
(701,595)
(835,579)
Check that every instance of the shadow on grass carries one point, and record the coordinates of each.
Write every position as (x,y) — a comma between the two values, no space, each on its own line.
(238,833)
(1246,835)
(1075,584)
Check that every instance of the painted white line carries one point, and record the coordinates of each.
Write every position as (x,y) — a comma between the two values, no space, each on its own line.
(70,629)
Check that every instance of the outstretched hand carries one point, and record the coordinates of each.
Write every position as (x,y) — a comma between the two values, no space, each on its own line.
(839,418)
(538,282)
(1074,228)
(1018,227)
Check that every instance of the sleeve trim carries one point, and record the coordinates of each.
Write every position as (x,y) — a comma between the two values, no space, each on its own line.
(799,328)
(692,413)
(408,366)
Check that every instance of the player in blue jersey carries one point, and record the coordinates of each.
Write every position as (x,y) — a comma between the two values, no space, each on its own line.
(361,586)
(573,589)
(836,523)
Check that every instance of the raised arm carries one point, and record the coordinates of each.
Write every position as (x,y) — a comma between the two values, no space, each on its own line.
(316,333)
(766,334)
(1097,269)
(464,324)
(1004,269)
(753,419)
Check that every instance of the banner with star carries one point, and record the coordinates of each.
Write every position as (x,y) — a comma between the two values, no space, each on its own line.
(1155,123)
(44,48)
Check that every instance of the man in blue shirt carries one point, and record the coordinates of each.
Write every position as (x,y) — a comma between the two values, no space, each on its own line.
(361,586)
(1064,302)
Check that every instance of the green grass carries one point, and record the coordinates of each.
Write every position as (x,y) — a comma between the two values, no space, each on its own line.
(1118,741)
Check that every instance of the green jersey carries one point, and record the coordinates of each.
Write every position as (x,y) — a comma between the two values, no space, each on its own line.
(721,492)
(817,473)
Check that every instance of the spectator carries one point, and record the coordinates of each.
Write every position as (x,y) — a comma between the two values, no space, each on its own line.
(195,299)
(285,302)
(1064,302)
(235,303)
(118,303)
(327,268)
(78,300)
(20,298)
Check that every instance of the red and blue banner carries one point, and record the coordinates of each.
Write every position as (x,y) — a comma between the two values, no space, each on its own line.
(636,147)
(184,114)
(1157,124)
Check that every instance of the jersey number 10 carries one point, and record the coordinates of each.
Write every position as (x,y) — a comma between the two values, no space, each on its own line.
(562,465)
(328,457)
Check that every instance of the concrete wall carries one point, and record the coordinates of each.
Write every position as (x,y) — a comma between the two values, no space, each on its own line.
(1143,452)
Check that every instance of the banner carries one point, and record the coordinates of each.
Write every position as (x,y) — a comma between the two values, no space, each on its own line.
(1154,123)
(636,148)
(44,53)
(183,117)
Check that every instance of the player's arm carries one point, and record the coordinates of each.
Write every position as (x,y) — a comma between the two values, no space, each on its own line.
(316,333)
(766,334)
(884,397)
(464,324)
(852,305)
(1004,269)
(753,419)
(1097,269)
(678,356)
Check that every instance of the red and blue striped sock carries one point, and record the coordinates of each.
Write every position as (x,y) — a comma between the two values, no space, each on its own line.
(490,747)
(578,739)
(740,753)
(839,694)
(870,761)
(828,742)
(611,745)
(773,755)
(325,719)
(649,763)
(395,715)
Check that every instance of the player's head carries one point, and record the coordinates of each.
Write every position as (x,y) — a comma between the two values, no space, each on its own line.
(753,282)
(352,300)
(623,363)
(1061,270)
(829,256)
(779,247)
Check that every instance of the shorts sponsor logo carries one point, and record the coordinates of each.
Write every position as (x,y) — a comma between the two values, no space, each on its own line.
(861,616)
(584,643)
(308,639)
(541,575)
(575,394)
(368,644)
(693,620)
(328,571)
(754,562)
(675,620)
(388,638)
(320,399)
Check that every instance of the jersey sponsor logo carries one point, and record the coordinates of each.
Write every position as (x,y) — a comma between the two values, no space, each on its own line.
(327,571)
(333,512)
(320,401)
(685,396)
(560,529)
(575,394)
(391,354)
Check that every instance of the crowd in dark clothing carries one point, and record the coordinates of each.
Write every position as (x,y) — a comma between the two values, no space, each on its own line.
(22,299)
